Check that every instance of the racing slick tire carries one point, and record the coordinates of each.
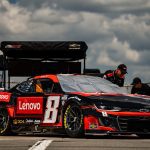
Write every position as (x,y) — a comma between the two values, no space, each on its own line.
(73,120)
(4,123)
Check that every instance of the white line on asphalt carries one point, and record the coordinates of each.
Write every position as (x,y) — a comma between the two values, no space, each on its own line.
(40,145)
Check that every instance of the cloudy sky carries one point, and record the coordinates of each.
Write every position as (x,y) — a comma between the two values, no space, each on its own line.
(116,31)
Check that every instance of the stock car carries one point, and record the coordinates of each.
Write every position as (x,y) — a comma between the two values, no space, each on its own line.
(76,104)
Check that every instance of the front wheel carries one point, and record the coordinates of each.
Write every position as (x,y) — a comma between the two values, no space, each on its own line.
(73,120)
(4,122)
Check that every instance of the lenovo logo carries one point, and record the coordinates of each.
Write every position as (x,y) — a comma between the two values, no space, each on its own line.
(30,105)
(4,96)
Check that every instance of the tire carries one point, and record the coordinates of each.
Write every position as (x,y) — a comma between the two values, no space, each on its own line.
(73,120)
(4,123)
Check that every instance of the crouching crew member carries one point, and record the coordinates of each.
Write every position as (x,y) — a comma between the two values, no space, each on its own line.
(116,76)
(139,87)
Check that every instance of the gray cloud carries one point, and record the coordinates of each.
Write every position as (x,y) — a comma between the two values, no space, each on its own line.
(133,29)
(109,7)
(115,31)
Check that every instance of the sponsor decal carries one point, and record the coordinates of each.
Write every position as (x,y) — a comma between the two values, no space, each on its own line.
(64,97)
(29,120)
(104,114)
(144,110)
(74,97)
(18,121)
(26,121)
(65,117)
(29,105)
(93,126)
(4,96)
(15,121)
(74,46)
(35,121)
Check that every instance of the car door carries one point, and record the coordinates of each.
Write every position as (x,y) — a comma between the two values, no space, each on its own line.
(41,104)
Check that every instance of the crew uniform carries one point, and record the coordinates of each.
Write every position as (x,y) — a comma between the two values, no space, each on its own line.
(110,75)
(116,76)
(139,87)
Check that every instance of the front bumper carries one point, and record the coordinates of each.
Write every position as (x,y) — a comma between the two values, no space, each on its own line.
(114,124)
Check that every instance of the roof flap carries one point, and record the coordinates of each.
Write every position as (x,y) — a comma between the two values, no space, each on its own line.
(45,50)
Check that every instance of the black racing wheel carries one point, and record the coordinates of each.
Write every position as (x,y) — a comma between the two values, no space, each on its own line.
(73,120)
(4,122)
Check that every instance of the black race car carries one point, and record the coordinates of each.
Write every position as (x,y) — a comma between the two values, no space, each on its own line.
(77,104)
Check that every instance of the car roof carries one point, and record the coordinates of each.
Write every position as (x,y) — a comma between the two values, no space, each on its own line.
(53,77)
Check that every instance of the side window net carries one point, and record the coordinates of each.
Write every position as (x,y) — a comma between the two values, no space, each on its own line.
(26,86)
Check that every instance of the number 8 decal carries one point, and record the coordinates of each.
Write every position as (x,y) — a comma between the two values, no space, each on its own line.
(51,110)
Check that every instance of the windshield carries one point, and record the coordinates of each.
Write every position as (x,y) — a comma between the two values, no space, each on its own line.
(88,84)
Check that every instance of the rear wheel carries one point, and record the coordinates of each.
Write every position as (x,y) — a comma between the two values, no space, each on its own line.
(4,122)
(73,120)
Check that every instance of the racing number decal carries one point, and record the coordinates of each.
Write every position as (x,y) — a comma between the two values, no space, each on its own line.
(51,111)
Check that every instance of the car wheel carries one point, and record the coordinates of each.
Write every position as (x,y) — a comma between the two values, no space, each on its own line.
(73,120)
(4,122)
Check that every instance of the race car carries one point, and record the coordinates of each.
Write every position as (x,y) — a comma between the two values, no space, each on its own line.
(76,104)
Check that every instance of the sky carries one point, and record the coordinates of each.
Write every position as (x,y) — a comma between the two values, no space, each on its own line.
(116,31)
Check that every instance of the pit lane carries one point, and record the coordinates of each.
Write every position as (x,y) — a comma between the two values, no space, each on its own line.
(57,142)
